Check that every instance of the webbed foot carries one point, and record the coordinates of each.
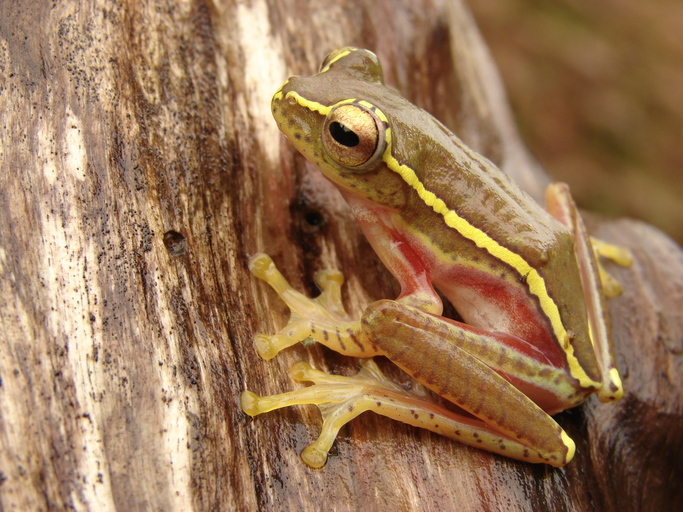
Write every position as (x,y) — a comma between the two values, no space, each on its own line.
(322,319)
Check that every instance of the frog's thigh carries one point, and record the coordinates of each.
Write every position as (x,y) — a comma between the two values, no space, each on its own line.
(431,350)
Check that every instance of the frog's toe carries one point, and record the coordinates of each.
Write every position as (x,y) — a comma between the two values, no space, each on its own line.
(268,346)
(622,256)
(326,278)
(249,402)
(610,286)
(259,265)
(330,283)
(313,456)
(302,372)
(265,347)
(615,253)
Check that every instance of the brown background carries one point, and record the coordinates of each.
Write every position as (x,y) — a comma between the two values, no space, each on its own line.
(597,90)
(140,168)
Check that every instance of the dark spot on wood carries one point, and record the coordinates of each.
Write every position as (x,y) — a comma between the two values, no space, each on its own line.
(314,219)
(175,243)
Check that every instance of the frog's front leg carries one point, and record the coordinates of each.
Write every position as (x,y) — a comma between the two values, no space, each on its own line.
(322,319)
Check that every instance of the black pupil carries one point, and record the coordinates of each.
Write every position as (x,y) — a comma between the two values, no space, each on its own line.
(343,135)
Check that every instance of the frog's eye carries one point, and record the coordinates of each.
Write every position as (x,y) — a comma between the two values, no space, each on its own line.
(353,136)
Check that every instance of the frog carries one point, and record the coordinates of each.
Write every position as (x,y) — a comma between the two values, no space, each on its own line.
(531,336)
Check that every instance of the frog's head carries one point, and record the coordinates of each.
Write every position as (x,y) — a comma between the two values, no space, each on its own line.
(332,118)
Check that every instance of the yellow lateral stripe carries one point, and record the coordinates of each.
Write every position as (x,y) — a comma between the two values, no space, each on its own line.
(481,239)
(534,280)
(310,105)
(314,105)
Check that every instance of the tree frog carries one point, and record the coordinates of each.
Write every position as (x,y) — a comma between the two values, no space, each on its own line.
(533,338)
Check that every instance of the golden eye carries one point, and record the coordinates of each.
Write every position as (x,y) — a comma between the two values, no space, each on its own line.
(352,135)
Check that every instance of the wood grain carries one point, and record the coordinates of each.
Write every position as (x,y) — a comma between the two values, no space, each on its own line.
(140,170)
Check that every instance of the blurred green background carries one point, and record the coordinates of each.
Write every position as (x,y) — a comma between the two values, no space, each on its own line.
(597,90)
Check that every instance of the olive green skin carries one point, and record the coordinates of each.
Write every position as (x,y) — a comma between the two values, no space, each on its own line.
(467,182)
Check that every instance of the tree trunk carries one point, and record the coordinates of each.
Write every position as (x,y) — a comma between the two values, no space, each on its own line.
(140,170)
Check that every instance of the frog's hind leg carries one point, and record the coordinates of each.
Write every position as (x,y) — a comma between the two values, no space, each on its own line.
(341,398)
(467,366)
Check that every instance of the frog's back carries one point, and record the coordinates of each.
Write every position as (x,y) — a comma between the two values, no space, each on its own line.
(438,166)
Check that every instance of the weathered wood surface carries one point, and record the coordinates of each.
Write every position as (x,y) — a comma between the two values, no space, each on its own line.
(141,169)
